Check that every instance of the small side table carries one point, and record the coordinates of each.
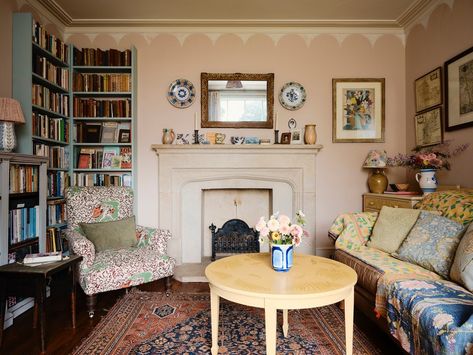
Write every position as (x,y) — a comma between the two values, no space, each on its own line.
(373,202)
(20,280)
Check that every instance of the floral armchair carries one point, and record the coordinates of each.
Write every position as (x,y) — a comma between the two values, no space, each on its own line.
(114,269)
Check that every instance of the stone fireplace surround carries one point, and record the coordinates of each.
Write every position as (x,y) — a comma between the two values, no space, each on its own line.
(186,171)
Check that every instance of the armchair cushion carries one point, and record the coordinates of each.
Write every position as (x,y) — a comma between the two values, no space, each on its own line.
(111,235)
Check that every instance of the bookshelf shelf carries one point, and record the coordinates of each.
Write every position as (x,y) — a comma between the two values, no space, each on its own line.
(48,112)
(104,119)
(53,198)
(25,243)
(49,140)
(102,94)
(103,144)
(44,52)
(22,195)
(103,171)
(38,79)
(102,69)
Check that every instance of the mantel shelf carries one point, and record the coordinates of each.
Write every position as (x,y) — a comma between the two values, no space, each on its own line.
(236,148)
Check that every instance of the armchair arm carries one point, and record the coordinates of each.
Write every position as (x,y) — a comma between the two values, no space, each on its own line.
(80,245)
(352,230)
(153,238)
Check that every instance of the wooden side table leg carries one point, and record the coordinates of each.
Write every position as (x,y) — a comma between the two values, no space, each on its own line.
(349,304)
(3,301)
(285,322)
(41,300)
(73,294)
(214,314)
(270,315)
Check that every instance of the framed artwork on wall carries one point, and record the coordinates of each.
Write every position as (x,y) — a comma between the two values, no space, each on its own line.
(358,110)
(428,127)
(428,90)
(459,91)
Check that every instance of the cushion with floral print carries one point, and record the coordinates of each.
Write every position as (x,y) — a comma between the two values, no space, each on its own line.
(431,243)
(353,229)
(462,268)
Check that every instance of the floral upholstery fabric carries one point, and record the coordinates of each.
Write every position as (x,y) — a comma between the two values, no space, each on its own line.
(462,268)
(114,269)
(353,229)
(432,243)
(455,205)
(431,316)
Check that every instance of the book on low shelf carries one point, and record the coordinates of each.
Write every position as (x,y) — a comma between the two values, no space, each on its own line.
(38,258)
(126,157)
(109,132)
(23,178)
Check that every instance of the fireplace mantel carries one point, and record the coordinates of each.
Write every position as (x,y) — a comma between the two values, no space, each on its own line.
(186,171)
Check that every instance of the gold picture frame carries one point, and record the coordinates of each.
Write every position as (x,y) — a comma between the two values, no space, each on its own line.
(428,127)
(428,90)
(358,110)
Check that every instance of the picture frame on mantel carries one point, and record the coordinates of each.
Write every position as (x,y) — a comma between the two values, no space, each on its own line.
(428,127)
(428,90)
(358,110)
(459,91)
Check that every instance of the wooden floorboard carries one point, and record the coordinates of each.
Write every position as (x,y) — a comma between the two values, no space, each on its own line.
(22,339)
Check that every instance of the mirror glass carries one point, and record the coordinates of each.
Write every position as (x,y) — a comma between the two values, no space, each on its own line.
(237,100)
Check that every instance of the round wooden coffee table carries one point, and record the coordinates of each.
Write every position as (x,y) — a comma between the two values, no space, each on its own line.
(249,279)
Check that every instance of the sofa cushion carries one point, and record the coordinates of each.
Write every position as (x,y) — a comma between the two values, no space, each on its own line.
(462,267)
(111,235)
(432,243)
(431,316)
(368,275)
(456,205)
(392,227)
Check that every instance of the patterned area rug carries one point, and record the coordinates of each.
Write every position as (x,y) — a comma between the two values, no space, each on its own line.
(151,323)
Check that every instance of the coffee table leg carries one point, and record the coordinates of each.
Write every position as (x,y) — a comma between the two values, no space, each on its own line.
(270,315)
(348,302)
(214,313)
(285,323)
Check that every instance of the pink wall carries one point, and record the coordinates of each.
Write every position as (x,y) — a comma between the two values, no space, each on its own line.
(448,32)
(340,178)
(6,10)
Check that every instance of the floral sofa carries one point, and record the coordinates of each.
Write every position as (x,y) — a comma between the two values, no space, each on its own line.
(113,269)
(425,312)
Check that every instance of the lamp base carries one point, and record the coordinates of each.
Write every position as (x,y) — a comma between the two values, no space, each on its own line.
(7,136)
(378,182)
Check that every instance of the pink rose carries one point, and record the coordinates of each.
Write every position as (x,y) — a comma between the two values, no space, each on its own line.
(264,232)
(284,229)
(296,231)
(273,225)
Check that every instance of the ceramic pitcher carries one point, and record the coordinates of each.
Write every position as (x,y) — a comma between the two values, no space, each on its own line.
(427,180)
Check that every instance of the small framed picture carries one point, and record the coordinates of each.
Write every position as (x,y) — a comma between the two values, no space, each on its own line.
(429,127)
(286,138)
(428,90)
(124,136)
(296,136)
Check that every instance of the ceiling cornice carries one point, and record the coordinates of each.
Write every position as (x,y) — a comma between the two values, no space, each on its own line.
(406,19)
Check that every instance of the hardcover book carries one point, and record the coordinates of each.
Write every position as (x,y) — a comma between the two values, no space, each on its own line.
(42,257)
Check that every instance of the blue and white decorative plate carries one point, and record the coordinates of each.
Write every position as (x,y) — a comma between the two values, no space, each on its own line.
(181,93)
(292,96)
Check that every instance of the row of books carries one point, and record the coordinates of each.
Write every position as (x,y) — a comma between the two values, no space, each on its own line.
(47,70)
(89,179)
(23,224)
(102,108)
(50,127)
(102,82)
(56,241)
(105,158)
(106,132)
(23,178)
(56,212)
(98,57)
(58,181)
(58,156)
(49,42)
(50,100)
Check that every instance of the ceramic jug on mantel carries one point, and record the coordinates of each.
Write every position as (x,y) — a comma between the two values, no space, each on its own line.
(310,135)
(168,136)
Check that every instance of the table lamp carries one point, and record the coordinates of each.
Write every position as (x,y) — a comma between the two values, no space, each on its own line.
(10,113)
(376,159)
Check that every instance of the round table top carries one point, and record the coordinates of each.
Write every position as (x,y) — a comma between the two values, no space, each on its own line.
(252,274)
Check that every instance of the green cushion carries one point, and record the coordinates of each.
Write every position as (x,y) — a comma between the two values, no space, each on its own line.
(111,235)
(432,243)
(462,268)
(392,227)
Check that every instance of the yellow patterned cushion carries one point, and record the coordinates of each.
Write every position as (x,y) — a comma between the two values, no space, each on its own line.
(353,229)
(455,205)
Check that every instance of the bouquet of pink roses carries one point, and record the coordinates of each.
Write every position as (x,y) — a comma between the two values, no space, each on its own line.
(280,230)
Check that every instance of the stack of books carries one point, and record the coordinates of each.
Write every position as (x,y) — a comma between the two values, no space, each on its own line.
(42,258)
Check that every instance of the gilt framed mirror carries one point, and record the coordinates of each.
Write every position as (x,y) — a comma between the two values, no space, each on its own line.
(237,100)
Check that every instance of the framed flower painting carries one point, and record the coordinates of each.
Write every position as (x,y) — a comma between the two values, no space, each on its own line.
(358,110)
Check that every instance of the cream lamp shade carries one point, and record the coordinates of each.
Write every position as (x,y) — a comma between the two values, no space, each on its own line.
(376,159)
(10,113)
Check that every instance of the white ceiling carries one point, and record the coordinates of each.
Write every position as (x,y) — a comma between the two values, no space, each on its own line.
(259,12)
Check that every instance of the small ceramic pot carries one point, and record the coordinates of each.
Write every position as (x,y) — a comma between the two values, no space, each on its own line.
(427,180)
(310,135)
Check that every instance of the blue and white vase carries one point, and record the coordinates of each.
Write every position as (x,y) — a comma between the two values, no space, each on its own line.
(427,180)
(281,256)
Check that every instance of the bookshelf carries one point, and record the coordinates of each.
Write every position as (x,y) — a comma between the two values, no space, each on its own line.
(23,194)
(45,100)
(103,110)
